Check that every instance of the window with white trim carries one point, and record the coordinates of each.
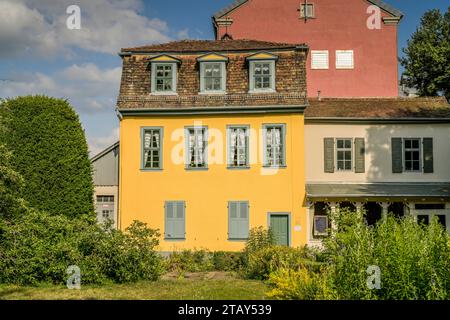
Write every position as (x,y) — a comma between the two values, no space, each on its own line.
(262,76)
(344,59)
(307,10)
(212,77)
(344,154)
(196,138)
(319,59)
(274,145)
(164,78)
(238,144)
(412,154)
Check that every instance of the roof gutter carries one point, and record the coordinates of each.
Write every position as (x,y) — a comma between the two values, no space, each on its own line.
(375,120)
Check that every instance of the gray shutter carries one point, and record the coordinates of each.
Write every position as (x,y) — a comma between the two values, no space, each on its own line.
(428,155)
(328,144)
(238,220)
(174,220)
(397,155)
(360,166)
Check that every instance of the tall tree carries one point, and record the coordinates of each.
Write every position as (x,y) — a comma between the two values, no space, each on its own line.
(427,55)
(50,152)
(11,182)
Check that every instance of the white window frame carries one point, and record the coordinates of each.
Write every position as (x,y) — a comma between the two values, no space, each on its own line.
(344,67)
(247,146)
(344,149)
(313,67)
(304,11)
(154,66)
(404,149)
(223,74)
(252,76)
(283,145)
(205,147)
(160,149)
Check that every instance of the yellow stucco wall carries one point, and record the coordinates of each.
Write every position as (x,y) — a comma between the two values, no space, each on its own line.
(206,193)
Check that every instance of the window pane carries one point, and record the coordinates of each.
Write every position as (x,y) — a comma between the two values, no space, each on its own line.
(348,144)
(348,165)
(416,166)
(423,219)
(340,143)
(415,144)
(408,143)
(415,155)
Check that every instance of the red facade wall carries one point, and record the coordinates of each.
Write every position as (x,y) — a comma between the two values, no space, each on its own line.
(338,25)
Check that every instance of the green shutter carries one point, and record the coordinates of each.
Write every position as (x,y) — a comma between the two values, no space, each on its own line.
(360,166)
(328,144)
(397,155)
(238,220)
(428,155)
(174,220)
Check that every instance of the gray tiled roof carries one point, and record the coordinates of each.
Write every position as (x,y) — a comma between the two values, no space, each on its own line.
(378,3)
(382,190)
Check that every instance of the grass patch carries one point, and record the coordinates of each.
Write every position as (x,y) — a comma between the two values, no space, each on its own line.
(193,286)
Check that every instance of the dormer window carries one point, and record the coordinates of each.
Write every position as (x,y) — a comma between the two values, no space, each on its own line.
(164,75)
(213,73)
(262,72)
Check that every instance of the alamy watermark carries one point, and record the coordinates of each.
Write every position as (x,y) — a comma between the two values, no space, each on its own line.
(74,280)
(73,22)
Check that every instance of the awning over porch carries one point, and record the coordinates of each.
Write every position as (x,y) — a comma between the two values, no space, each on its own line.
(378,190)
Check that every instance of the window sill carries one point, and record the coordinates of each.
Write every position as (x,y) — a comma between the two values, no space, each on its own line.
(238,168)
(149,169)
(345,68)
(262,91)
(212,93)
(164,93)
(174,239)
(274,167)
(237,239)
(196,169)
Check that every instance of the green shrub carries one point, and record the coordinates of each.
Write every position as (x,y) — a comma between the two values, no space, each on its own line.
(414,260)
(259,238)
(50,152)
(38,247)
(203,261)
(263,262)
(190,261)
(227,261)
(300,284)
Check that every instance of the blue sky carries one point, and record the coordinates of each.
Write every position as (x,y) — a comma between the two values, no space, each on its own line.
(38,54)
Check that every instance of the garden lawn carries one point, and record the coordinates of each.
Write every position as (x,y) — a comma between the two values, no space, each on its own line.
(195,286)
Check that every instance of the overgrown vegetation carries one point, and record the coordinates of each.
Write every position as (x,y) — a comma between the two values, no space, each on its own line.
(413,260)
(38,247)
(49,150)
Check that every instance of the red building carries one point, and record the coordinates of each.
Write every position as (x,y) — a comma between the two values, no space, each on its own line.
(353,43)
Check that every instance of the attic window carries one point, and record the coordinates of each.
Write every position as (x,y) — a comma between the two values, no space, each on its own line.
(307,10)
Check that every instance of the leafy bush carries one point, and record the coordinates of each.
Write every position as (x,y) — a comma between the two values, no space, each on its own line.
(38,247)
(300,284)
(50,152)
(203,261)
(259,238)
(263,262)
(414,261)
(227,261)
(190,261)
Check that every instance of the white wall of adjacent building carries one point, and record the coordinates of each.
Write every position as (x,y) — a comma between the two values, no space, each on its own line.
(378,156)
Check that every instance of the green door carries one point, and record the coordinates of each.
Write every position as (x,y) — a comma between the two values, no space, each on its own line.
(279,223)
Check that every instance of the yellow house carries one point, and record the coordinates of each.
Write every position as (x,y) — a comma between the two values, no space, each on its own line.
(211,136)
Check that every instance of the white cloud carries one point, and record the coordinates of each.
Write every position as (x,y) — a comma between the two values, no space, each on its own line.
(97,144)
(39,27)
(88,88)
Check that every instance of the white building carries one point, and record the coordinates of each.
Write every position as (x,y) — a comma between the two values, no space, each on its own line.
(384,155)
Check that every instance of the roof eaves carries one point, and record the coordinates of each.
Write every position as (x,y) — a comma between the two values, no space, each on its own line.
(105,151)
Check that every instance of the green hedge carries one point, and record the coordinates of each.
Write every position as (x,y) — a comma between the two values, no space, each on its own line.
(50,152)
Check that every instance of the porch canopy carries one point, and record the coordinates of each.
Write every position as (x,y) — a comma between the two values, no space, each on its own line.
(379,191)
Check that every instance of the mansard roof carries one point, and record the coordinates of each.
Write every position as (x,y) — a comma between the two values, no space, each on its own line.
(206,46)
